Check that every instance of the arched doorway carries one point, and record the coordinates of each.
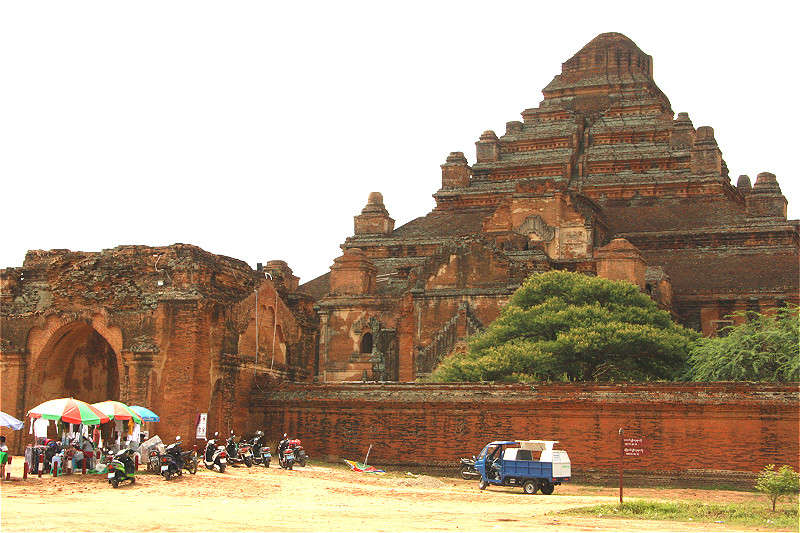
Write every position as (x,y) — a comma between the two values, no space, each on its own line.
(79,362)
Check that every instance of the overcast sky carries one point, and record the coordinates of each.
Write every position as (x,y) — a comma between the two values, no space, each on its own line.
(258,129)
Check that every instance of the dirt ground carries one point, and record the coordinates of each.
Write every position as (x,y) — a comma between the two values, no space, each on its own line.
(316,498)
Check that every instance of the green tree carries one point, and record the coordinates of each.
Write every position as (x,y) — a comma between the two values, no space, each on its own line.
(777,483)
(564,326)
(763,348)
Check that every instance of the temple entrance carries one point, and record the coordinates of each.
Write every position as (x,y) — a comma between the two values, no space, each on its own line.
(76,362)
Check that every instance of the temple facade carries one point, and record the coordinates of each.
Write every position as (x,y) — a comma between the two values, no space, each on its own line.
(602,178)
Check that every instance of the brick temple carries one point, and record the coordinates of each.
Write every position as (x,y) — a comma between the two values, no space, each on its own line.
(601,178)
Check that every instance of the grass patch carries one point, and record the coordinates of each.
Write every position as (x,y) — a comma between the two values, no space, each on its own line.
(745,514)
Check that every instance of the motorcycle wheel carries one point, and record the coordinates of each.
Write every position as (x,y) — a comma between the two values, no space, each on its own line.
(303,462)
(482,485)
(291,465)
(115,483)
(248,462)
(133,480)
(465,472)
(193,469)
(167,475)
(266,464)
(221,468)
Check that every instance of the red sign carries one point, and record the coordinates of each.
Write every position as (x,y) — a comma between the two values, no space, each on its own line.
(634,446)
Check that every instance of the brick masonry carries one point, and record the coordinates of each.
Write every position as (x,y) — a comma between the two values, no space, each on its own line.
(695,430)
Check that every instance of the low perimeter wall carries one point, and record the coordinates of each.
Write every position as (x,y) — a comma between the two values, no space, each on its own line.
(695,431)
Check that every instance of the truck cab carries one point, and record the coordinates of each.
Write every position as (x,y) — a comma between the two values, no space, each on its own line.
(532,464)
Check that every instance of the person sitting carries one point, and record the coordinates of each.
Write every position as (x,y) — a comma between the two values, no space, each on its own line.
(77,456)
(88,453)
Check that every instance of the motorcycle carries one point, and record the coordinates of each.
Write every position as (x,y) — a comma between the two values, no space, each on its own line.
(171,462)
(286,459)
(215,456)
(261,454)
(468,468)
(122,468)
(190,461)
(300,456)
(239,453)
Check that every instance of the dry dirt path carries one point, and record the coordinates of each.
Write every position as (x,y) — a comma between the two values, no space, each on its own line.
(317,498)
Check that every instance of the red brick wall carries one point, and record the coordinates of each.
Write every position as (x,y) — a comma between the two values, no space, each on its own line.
(721,426)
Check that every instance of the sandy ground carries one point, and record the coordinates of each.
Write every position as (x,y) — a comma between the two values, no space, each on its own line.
(315,498)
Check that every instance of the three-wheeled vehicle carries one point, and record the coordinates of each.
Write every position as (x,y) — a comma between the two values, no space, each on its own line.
(532,464)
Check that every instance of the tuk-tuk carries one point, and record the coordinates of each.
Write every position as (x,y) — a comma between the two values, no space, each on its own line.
(532,464)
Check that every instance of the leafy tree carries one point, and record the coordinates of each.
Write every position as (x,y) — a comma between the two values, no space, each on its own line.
(777,483)
(565,326)
(763,348)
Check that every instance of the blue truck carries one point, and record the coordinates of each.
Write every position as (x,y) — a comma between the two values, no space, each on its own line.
(532,464)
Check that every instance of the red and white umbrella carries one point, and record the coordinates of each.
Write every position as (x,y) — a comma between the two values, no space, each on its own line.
(69,410)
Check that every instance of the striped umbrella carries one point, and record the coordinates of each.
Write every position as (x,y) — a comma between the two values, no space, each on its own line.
(146,414)
(9,421)
(117,411)
(69,410)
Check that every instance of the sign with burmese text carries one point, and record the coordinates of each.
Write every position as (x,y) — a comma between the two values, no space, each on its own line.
(634,446)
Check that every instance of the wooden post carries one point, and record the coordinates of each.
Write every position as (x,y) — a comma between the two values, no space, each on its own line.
(136,463)
(41,464)
(83,464)
(25,470)
(621,460)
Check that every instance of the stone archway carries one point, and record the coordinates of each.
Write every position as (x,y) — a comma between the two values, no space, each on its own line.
(76,361)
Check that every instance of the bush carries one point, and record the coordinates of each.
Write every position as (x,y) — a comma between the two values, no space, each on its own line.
(765,347)
(778,483)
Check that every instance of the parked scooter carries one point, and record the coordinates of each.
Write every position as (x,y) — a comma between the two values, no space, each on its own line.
(261,453)
(238,453)
(122,468)
(215,455)
(300,456)
(468,468)
(190,461)
(286,458)
(172,461)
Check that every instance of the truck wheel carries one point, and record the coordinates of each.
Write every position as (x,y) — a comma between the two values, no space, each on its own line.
(530,487)
(547,487)
(482,485)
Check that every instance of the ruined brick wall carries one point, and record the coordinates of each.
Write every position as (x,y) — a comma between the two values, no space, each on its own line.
(694,429)
(174,328)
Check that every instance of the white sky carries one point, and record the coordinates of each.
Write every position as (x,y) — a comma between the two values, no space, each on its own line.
(258,129)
